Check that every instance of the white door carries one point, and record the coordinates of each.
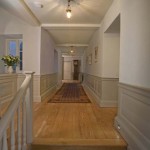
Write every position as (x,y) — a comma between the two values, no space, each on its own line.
(67,70)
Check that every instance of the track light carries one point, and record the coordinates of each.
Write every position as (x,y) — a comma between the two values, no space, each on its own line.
(68,10)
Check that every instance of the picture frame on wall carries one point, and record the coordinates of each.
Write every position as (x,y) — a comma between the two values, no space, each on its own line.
(90,59)
(96,54)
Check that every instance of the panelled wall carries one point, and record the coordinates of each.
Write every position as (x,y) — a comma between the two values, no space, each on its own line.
(102,74)
(8,87)
(48,83)
(133,119)
(43,85)
(103,90)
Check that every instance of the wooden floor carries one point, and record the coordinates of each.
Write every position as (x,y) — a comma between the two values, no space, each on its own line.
(72,123)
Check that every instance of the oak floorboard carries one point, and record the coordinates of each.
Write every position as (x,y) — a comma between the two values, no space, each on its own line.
(76,121)
(78,124)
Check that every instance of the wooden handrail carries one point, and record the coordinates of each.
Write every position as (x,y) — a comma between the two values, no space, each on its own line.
(23,95)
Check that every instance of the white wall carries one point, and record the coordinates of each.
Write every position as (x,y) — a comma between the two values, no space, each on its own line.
(47,53)
(10,24)
(95,67)
(60,67)
(135,43)
(111,14)
(108,47)
(55,61)
(111,55)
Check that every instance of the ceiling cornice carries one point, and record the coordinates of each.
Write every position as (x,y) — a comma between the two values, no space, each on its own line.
(56,26)
(37,22)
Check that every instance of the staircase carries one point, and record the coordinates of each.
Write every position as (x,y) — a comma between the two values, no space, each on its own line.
(16,126)
(76,144)
(16,122)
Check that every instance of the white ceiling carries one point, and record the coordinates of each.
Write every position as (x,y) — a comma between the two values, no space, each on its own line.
(86,18)
(20,9)
(71,36)
(83,11)
(77,51)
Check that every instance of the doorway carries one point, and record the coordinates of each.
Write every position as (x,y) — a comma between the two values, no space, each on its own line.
(112,49)
(67,71)
(76,70)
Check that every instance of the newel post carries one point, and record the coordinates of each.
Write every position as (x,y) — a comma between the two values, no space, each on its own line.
(29,108)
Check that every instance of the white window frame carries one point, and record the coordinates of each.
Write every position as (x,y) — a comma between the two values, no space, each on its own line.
(17,51)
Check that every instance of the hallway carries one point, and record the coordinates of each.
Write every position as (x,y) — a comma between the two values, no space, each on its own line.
(103,44)
(75,124)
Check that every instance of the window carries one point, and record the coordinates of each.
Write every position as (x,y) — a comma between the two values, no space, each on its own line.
(15,48)
(20,53)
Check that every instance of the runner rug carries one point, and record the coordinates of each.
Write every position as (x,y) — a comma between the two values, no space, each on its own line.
(70,93)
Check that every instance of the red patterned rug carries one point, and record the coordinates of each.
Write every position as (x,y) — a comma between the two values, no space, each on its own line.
(70,93)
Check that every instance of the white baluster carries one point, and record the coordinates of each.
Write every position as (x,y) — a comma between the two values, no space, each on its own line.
(24,125)
(19,129)
(12,140)
(4,145)
(29,107)
(8,117)
(0,119)
(0,145)
(29,116)
(0,110)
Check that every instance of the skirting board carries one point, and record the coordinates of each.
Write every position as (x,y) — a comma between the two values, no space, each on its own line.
(129,133)
(91,94)
(107,103)
(45,95)
(59,85)
(37,98)
(101,103)
(48,93)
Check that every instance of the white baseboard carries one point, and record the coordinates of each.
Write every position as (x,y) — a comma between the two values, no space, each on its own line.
(91,94)
(59,85)
(48,93)
(106,103)
(36,98)
(101,103)
(132,136)
(45,95)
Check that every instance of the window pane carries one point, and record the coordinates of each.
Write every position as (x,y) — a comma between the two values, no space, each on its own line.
(12,48)
(20,45)
(15,48)
(20,60)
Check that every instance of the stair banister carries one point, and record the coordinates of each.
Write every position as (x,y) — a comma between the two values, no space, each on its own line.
(23,96)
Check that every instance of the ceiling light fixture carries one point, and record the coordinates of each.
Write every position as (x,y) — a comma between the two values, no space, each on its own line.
(72,50)
(68,10)
(38,4)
